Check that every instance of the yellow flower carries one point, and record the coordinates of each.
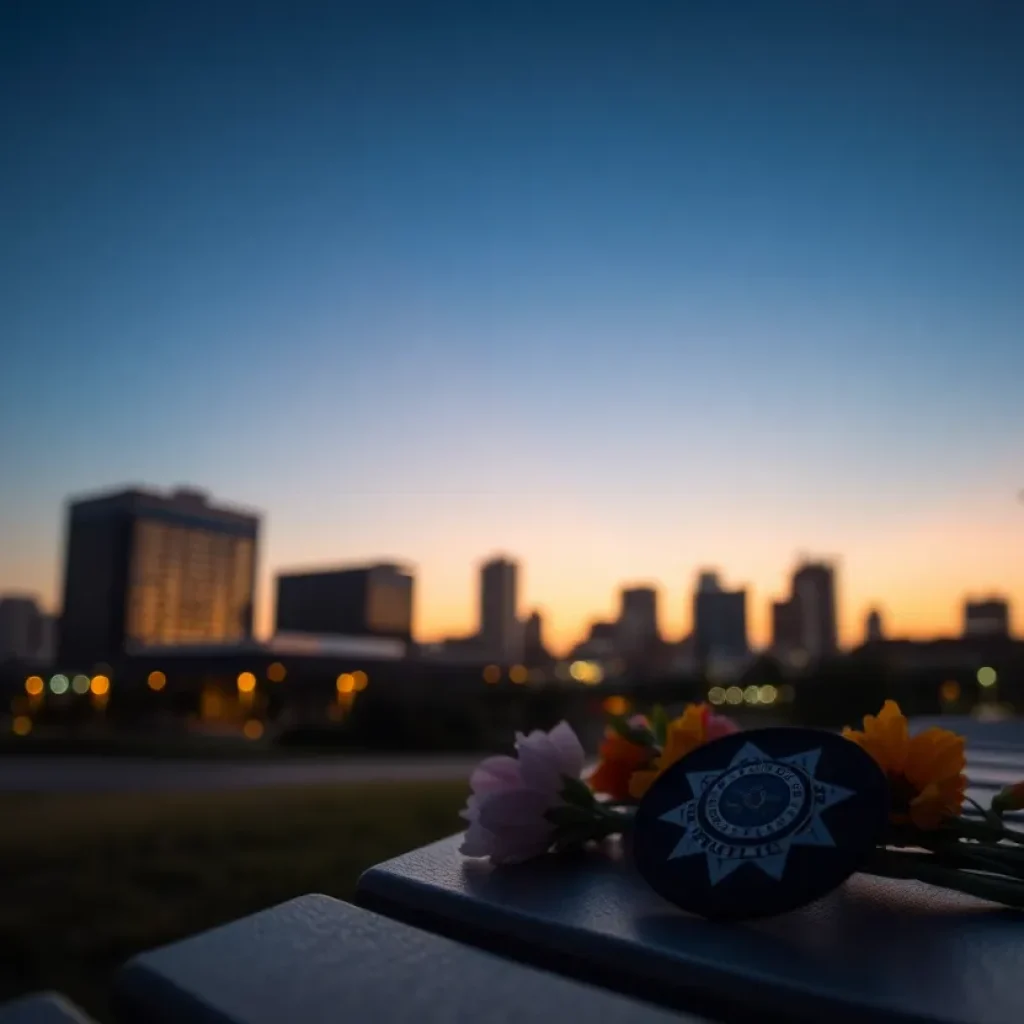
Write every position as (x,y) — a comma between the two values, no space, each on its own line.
(925,772)
(697,725)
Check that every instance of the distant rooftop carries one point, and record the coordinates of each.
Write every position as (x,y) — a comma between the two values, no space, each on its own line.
(184,499)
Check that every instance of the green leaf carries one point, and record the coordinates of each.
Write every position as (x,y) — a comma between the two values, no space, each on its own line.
(568,815)
(659,724)
(577,792)
(634,734)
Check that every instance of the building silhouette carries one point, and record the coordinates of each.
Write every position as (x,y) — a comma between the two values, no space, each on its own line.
(787,636)
(144,569)
(814,590)
(372,600)
(719,620)
(534,651)
(874,631)
(500,632)
(637,627)
(989,617)
(26,632)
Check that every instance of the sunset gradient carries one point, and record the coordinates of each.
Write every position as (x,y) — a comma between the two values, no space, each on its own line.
(623,294)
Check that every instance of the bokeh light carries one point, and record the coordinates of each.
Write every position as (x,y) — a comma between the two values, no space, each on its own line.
(734,695)
(34,685)
(518,674)
(768,694)
(100,686)
(59,684)
(716,695)
(362,680)
(345,683)
(751,694)
(616,705)
(492,674)
(246,682)
(253,729)
(276,672)
(21,725)
(156,680)
(949,691)
(80,684)
(987,676)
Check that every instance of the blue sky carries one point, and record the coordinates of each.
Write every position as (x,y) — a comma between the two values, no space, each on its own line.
(624,289)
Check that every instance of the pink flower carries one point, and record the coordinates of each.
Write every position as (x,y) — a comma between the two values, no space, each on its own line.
(716,726)
(511,795)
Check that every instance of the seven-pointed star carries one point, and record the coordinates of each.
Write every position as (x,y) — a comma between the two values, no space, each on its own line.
(770,856)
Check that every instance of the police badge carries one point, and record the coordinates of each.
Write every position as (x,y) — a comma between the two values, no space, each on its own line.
(760,822)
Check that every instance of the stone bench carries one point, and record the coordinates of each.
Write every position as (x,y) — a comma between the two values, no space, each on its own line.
(317,960)
(45,1008)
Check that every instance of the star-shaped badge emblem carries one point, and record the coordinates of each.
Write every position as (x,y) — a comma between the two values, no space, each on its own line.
(754,811)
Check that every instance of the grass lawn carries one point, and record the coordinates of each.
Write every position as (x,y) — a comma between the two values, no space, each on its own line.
(88,880)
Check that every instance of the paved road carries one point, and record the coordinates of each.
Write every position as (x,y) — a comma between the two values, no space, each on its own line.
(102,774)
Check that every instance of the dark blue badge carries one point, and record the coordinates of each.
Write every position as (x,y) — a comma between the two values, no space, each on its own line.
(759,822)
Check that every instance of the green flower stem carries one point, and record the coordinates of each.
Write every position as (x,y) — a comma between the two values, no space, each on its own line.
(897,864)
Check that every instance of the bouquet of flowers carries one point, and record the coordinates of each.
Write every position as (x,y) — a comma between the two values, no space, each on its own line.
(539,800)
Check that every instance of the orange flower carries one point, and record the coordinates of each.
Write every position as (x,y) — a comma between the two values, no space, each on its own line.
(619,760)
(697,725)
(1011,798)
(925,772)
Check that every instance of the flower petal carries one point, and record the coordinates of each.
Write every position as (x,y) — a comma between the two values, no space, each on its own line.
(539,762)
(494,774)
(570,751)
(515,810)
(477,842)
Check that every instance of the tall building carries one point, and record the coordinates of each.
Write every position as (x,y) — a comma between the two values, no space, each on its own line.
(786,627)
(147,569)
(25,631)
(874,631)
(372,600)
(719,620)
(534,651)
(814,590)
(990,617)
(637,627)
(500,634)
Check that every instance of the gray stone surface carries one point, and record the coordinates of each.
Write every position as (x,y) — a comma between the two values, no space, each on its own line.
(316,960)
(45,1008)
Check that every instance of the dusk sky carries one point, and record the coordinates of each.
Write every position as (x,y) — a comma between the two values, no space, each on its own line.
(623,290)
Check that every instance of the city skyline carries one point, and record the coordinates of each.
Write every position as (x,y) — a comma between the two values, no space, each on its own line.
(759,607)
(629,293)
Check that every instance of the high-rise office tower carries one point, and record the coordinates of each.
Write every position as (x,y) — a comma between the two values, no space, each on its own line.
(146,569)
(500,632)
(373,600)
(814,590)
(637,628)
(719,619)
